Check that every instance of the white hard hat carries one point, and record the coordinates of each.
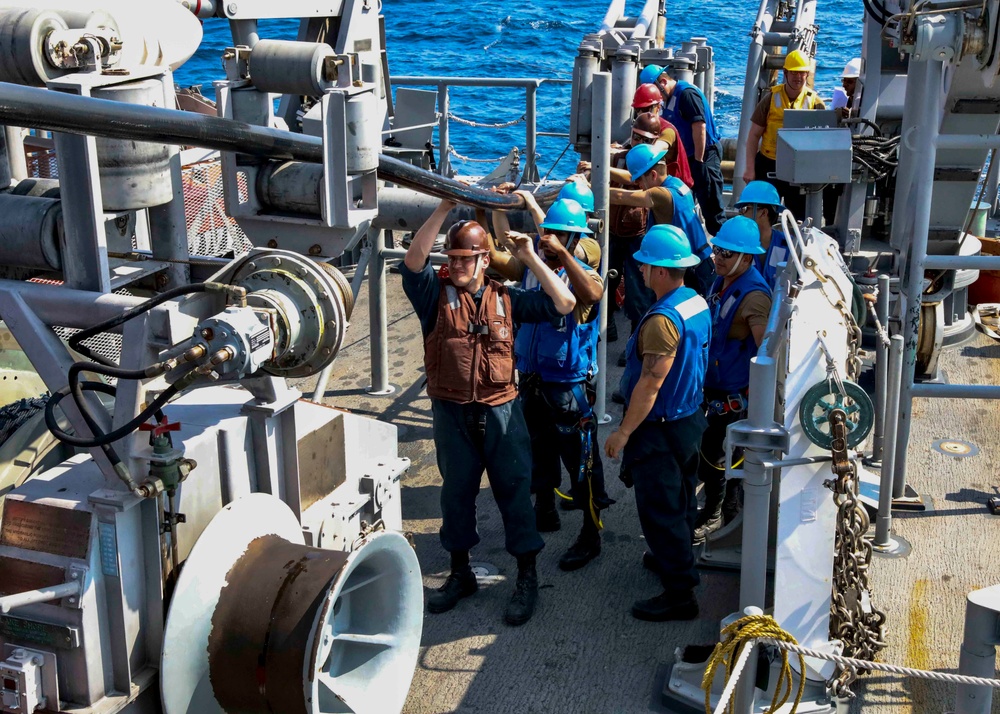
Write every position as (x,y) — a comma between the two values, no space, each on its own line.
(852,70)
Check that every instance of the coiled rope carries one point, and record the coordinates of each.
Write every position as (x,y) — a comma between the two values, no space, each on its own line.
(740,638)
(733,651)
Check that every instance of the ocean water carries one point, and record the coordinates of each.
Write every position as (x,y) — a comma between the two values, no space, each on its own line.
(539,39)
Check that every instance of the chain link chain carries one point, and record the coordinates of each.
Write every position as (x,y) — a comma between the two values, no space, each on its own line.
(854,620)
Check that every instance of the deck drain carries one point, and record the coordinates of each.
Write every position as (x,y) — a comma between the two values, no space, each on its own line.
(954,447)
(485,572)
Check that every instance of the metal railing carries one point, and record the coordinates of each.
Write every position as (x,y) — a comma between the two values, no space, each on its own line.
(445,115)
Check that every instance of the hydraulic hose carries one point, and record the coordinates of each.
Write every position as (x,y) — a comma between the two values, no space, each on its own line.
(76,340)
(58,111)
(102,439)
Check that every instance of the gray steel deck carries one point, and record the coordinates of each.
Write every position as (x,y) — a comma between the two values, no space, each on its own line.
(583,652)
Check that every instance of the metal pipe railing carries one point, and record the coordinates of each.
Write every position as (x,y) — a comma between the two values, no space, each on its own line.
(883,521)
(924,120)
(600,178)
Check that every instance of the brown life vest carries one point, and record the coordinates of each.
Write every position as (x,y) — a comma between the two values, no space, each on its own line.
(469,355)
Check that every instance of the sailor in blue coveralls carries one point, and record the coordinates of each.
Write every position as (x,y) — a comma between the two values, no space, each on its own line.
(740,302)
(555,360)
(663,423)
(468,321)
(668,201)
(760,203)
(685,106)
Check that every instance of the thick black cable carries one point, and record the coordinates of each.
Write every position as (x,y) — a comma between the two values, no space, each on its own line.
(127,315)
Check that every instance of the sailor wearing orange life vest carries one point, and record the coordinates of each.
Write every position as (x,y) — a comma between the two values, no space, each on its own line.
(769,116)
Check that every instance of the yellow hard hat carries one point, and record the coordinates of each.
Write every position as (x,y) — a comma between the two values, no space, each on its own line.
(797,61)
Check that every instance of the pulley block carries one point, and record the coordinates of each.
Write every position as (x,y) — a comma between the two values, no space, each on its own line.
(823,398)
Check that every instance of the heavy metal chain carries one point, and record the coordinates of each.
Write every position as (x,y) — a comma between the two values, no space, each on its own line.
(854,620)
(840,304)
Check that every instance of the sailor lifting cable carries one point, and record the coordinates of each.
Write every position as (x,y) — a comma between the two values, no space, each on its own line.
(467,322)
(740,301)
(555,361)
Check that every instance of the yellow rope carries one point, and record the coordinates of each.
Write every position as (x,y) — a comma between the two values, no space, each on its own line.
(592,507)
(734,638)
(719,468)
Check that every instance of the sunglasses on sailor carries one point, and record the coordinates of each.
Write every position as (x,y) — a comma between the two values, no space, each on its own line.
(749,210)
(640,139)
(723,253)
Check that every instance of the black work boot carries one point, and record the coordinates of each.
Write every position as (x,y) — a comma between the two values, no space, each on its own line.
(522,603)
(667,606)
(461,583)
(585,549)
(546,515)
(612,328)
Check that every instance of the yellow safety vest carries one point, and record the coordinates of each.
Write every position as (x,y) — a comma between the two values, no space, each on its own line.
(807,99)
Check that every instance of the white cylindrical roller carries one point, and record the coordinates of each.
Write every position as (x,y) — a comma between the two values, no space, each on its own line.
(363,133)
(23,59)
(134,174)
(287,67)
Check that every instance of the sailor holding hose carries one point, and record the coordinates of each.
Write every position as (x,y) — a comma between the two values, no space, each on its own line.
(468,321)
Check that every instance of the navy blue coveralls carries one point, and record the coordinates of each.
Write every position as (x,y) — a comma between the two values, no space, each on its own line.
(554,360)
(503,450)
(726,382)
(687,106)
(698,277)
(661,455)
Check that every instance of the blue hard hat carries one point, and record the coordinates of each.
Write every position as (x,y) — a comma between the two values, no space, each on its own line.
(739,234)
(580,192)
(642,158)
(650,73)
(666,246)
(762,193)
(566,215)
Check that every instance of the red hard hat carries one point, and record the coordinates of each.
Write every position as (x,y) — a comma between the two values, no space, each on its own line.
(646,95)
(466,238)
(647,124)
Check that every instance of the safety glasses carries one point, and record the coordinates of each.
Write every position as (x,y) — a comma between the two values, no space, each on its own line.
(724,253)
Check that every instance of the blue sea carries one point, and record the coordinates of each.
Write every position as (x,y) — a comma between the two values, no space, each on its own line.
(539,39)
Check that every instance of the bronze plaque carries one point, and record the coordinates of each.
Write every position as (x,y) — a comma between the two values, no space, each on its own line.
(18,576)
(24,631)
(46,529)
(321,462)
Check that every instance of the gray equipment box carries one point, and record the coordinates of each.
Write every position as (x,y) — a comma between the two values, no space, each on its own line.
(814,156)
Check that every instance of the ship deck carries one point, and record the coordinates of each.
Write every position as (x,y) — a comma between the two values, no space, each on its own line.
(583,652)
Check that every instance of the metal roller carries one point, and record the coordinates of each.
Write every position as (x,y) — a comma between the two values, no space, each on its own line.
(260,622)
(286,67)
(292,187)
(29,232)
(23,58)
(134,174)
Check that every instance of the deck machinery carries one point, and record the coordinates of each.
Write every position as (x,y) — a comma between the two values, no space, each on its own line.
(181,532)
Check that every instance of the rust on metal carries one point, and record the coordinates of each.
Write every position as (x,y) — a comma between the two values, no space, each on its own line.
(261,630)
(46,529)
(18,576)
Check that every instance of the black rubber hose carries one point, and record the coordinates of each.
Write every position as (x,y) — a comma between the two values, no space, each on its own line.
(75,340)
(58,111)
(101,439)
(53,424)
